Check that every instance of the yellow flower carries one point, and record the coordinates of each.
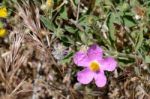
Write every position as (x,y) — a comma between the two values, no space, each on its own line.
(3,12)
(2,32)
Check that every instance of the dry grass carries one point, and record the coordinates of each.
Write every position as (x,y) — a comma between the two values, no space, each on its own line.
(29,67)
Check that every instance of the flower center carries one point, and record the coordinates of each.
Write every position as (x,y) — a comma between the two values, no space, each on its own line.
(94,66)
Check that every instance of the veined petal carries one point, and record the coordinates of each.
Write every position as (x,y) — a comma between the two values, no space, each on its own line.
(95,52)
(109,64)
(81,59)
(100,79)
(85,76)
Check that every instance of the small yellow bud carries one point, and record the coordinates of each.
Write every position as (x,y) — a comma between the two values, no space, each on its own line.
(2,32)
(3,12)
(49,3)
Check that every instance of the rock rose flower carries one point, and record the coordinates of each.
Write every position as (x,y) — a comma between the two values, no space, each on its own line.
(94,65)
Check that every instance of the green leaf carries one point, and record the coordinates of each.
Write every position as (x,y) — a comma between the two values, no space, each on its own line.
(124,7)
(70,29)
(66,40)
(63,13)
(107,2)
(97,2)
(1,24)
(128,21)
(139,41)
(83,37)
(111,20)
(87,20)
(58,32)
(47,22)
(147,59)
(134,2)
(68,56)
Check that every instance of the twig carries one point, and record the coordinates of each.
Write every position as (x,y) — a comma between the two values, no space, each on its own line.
(62,4)
(48,41)
(20,84)
(34,96)
(73,5)
(76,24)
(78,11)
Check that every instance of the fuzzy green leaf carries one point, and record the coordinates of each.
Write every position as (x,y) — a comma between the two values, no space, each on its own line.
(48,24)
(147,59)
(111,20)
(1,24)
(63,13)
(70,29)
(128,21)
(139,41)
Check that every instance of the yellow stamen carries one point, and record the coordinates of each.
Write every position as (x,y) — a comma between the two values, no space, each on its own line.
(2,32)
(94,66)
(3,12)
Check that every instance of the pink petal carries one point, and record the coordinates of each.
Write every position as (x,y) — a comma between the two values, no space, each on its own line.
(95,52)
(100,79)
(81,59)
(109,64)
(85,76)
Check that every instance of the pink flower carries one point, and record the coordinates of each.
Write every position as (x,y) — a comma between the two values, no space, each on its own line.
(94,65)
